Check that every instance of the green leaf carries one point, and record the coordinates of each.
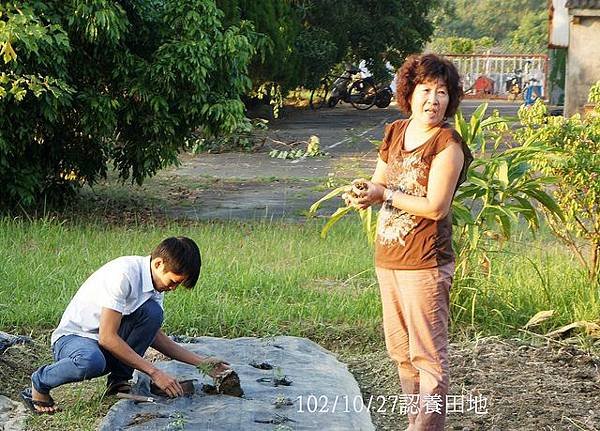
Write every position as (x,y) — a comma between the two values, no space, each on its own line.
(7,52)
(461,214)
(546,200)
(334,193)
(502,173)
(528,212)
(367,215)
(335,217)
(491,121)
(476,119)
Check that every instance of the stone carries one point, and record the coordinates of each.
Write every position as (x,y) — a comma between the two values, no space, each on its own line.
(12,415)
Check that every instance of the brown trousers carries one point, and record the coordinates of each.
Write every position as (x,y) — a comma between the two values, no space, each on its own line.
(415,322)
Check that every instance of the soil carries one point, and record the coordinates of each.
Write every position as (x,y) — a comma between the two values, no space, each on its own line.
(527,388)
(17,363)
(228,383)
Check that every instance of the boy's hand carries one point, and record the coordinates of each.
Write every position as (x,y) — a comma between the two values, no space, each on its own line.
(218,365)
(167,383)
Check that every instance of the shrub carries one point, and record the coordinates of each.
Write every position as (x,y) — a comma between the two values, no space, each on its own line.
(573,158)
(86,84)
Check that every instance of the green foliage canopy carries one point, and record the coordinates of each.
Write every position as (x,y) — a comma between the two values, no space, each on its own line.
(515,25)
(87,83)
(308,37)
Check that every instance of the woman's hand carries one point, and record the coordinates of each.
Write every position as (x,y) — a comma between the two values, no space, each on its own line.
(367,193)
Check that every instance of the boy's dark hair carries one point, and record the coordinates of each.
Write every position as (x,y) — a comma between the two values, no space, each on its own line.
(418,69)
(181,256)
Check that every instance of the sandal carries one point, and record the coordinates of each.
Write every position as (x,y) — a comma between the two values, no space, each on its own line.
(30,403)
(114,388)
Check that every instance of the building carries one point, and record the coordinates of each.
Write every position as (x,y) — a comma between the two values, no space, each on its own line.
(575,25)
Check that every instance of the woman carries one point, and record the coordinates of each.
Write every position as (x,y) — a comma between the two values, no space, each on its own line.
(421,162)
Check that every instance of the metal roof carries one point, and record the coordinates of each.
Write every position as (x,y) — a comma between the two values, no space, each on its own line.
(583,4)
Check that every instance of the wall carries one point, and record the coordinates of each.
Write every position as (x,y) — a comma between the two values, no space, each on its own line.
(583,60)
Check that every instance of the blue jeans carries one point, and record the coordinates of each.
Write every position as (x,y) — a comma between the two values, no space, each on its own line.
(79,358)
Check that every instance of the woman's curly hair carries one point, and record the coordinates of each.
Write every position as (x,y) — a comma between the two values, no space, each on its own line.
(420,68)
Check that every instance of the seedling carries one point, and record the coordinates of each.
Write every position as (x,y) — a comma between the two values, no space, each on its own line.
(205,368)
(178,423)
(278,379)
(282,401)
(278,373)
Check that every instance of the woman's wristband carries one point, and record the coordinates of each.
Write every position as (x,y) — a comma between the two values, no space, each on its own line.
(388,197)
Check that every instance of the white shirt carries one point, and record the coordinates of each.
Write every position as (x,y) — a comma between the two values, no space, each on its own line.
(123,285)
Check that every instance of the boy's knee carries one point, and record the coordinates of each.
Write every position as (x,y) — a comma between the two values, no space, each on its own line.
(90,364)
(152,312)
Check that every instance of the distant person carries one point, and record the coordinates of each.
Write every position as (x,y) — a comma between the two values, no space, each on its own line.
(532,92)
(113,318)
(421,162)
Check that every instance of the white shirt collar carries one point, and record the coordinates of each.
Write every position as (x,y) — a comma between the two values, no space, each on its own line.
(147,285)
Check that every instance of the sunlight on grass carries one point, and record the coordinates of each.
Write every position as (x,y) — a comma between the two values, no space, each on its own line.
(272,278)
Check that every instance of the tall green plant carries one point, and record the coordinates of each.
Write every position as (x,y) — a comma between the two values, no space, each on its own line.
(502,186)
(573,158)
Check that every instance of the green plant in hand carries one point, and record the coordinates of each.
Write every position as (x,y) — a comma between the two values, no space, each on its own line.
(345,192)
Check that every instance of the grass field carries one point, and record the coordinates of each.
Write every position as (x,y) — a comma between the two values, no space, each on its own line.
(261,279)
(269,278)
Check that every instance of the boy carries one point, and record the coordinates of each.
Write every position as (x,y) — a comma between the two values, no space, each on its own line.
(111,321)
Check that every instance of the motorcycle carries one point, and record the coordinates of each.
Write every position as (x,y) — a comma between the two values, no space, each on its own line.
(349,87)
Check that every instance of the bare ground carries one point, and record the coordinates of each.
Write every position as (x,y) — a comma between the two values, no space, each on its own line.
(546,388)
(549,387)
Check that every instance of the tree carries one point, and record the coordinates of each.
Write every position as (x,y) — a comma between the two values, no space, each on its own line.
(532,33)
(573,158)
(375,31)
(307,38)
(280,24)
(498,19)
(91,82)
(460,45)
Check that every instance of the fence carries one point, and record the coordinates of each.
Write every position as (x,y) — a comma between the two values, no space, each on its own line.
(501,70)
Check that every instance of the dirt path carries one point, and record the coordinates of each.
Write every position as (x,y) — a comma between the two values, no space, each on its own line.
(254,185)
